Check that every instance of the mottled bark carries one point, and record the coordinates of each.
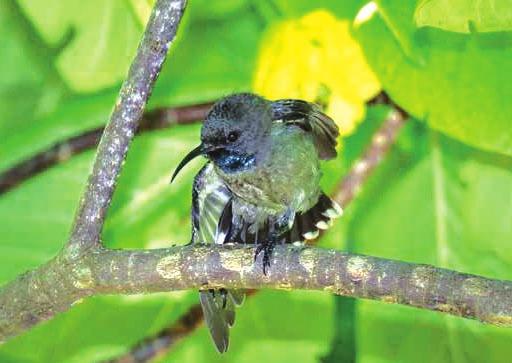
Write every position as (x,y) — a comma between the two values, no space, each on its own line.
(160,31)
(54,287)
(206,267)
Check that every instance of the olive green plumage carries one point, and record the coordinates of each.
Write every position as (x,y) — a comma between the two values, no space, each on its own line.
(261,184)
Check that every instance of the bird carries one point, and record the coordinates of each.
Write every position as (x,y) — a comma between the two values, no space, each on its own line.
(260,185)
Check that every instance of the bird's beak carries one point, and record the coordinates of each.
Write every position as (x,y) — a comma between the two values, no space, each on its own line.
(191,155)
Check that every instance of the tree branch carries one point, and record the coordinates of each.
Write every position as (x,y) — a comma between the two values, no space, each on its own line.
(63,150)
(41,293)
(160,31)
(381,142)
(55,286)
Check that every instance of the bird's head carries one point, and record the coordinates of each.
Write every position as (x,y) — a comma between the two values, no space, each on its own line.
(234,131)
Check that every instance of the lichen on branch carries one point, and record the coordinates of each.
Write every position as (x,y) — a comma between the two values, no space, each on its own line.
(54,287)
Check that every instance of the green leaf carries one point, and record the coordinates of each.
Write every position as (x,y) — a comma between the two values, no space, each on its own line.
(465,16)
(462,87)
(104,36)
(447,205)
(98,329)
(210,49)
(29,86)
(73,117)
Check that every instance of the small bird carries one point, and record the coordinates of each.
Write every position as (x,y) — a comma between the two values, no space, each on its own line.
(260,184)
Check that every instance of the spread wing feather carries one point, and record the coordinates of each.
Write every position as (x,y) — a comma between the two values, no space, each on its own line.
(309,117)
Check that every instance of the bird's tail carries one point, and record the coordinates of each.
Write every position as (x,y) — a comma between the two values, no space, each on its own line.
(219,313)
(307,225)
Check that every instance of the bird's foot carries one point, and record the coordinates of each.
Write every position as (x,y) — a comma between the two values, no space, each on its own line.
(267,249)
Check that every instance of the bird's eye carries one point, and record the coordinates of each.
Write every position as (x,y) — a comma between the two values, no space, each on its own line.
(233,136)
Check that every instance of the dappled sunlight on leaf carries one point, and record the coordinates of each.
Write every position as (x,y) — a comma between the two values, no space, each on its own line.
(315,58)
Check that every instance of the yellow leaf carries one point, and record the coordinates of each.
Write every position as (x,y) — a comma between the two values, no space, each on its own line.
(315,58)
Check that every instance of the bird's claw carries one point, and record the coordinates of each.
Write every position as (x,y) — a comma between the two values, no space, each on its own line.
(267,249)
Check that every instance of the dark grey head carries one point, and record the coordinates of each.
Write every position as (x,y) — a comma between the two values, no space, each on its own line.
(233,132)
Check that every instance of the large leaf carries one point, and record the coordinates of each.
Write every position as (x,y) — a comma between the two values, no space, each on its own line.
(446,205)
(100,38)
(29,85)
(465,16)
(460,84)
(71,118)
(209,60)
(103,38)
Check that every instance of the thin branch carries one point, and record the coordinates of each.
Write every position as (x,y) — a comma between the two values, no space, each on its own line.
(55,286)
(64,150)
(119,132)
(381,142)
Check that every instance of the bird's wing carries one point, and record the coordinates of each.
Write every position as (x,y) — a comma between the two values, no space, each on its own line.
(211,223)
(307,225)
(309,117)
(210,196)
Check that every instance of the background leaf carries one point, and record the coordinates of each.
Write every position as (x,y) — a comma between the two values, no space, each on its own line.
(449,80)
(110,25)
(435,211)
(465,16)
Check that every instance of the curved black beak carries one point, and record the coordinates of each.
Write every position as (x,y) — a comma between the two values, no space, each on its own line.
(191,155)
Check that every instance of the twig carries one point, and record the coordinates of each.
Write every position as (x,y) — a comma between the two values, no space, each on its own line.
(372,156)
(119,132)
(63,150)
(56,286)
(345,192)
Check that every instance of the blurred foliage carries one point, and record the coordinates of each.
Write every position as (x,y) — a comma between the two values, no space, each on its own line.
(465,16)
(443,195)
(459,84)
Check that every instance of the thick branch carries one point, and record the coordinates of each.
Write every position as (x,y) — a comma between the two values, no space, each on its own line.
(119,132)
(55,286)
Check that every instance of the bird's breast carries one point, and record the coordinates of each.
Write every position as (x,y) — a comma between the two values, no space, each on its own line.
(287,176)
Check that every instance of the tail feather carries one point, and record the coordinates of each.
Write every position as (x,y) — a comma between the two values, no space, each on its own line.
(217,319)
